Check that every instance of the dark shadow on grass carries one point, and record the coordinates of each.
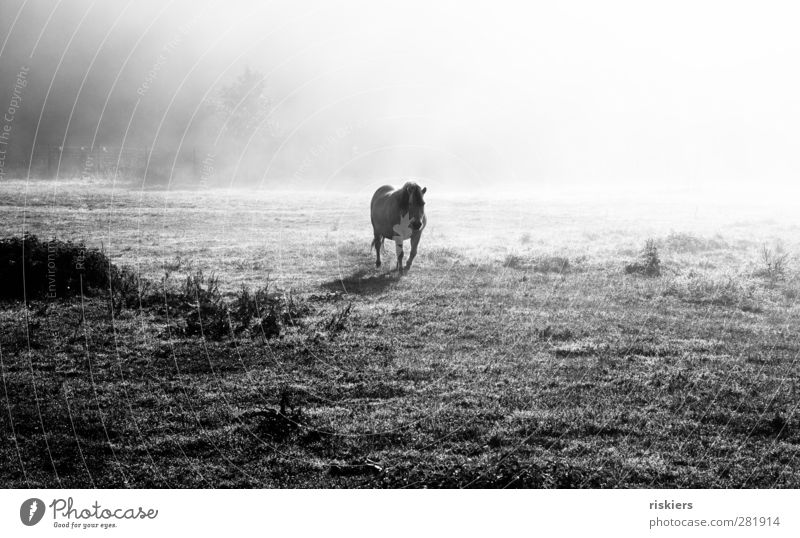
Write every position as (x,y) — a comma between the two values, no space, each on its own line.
(362,282)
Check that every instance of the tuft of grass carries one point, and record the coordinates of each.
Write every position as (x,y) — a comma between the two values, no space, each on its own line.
(129,290)
(252,307)
(337,322)
(648,264)
(201,289)
(773,263)
(208,315)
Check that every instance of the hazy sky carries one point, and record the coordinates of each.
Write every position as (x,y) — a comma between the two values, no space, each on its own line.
(547,92)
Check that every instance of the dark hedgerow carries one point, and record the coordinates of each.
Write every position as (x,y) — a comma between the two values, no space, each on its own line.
(36,269)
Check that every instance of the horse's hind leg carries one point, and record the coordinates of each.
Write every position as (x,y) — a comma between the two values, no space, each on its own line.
(377,242)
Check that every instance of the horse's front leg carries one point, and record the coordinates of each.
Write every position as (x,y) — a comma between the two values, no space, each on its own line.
(399,250)
(415,237)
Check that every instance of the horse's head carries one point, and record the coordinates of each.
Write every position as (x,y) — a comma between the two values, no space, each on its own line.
(414,205)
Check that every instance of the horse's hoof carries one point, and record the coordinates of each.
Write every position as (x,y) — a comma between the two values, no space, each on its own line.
(377,264)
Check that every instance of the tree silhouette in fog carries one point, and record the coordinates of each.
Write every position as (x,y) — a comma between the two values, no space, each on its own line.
(244,108)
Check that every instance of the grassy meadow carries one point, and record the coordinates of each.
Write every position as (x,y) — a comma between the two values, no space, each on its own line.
(529,346)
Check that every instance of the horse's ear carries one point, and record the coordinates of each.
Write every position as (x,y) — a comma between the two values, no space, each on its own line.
(424,190)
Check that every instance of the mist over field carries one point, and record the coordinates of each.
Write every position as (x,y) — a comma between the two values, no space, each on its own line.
(458,94)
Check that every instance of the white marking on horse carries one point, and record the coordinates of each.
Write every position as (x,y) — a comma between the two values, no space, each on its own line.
(402,230)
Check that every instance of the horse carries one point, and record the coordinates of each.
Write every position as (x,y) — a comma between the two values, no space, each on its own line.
(398,214)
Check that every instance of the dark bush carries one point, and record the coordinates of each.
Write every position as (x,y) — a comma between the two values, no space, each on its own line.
(36,269)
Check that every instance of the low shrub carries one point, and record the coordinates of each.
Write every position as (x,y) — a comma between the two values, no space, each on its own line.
(648,264)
